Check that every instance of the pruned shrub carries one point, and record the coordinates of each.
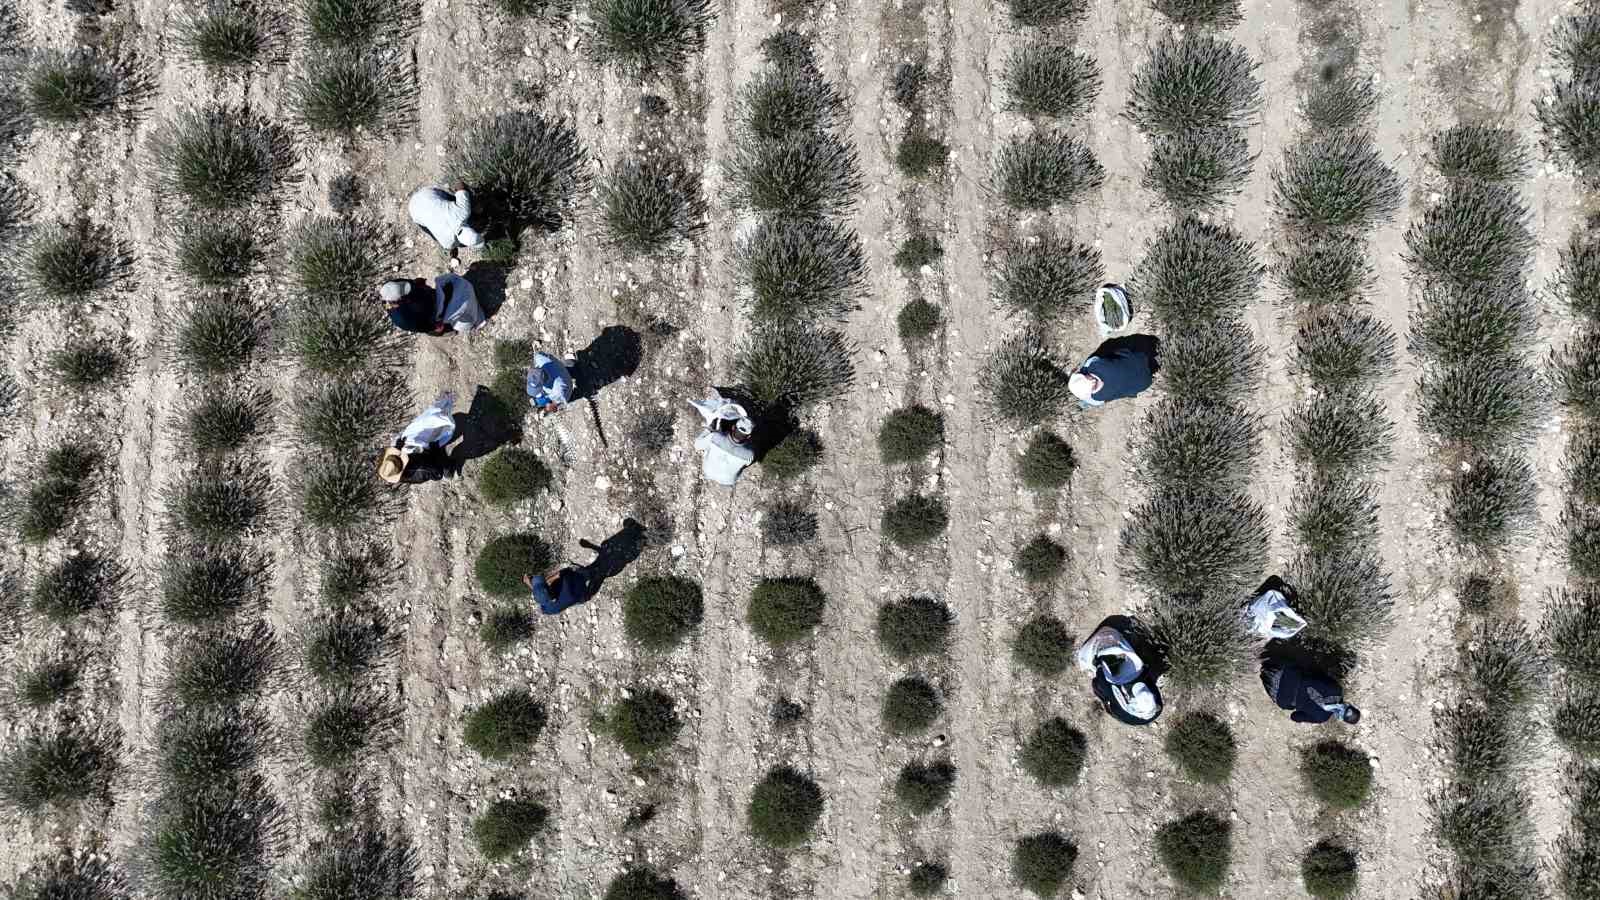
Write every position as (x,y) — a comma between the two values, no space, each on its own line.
(1048,13)
(1337,348)
(1476,325)
(48,683)
(1492,502)
(56,495)
(1046,168)
(649,38)
(1343,101)
(643,883)
(199,749)
(914,520)
(910,434)
(1047,463)
(65,88)
(1478,234)
(660,611)
(914,626)
(1335,180)
(801,269)
(1341,431)
(793,456)
(924,787)
(795,365)
(1025,383)
(73,261)
(786,98)
(231,37)
(348,727)
(333,257)
(86,364)
(215,843)
(921,154)
(1329,871)
(218,501)
(1481,407)
(1194,82)
(918,250)
(1324,269)
(223,669)
(71,875)
(222,157)
(1486,825)
(1195,272)
(918,320)
(1577,374)
(1051,79)
(1481,742)
(352,572)
(57,766)
(785,610)
(1576,723)
(504,560)
(1199,170)
(1054,754)
(1577,277)
(349,415)
(513,474)
(907,84)
(927,879)
(1203,747)
(341,336)
(345,646)
(79,585)
(507,826)
(367,862)
(805,174)
(506,626)
(524,170)
(353,95)
(1043,645)
(1195,443)
(644,722)
(1047,278)
(215,250)
(1043,862)
(789,523)
(1195,540)
(200,585)
(219,334)
(910,706)
(1572,630)
(1197,850)
(1466,150)
(1482,591)
(1581,541)
(1504,663)
(784,808)
(1040,560)
(1202,638)
(1567,120)
(344,26)
(505,726)
(650,203)
(1221,360)
(1345,597)
(1219,14)
(1337,774)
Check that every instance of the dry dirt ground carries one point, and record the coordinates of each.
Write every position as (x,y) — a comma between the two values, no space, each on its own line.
(1436,62)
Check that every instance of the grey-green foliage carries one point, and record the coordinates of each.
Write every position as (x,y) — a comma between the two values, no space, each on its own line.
(1326,268)
(73,261)
(1478,234)
(1194,82)
(1193,442)
(1345,597)
(1199,169)
(232,36)
(1575,42)
(1503,663)
(344,415)
(1342,101)
(1568,122)
(800,174)
(348,26)
(1472,325)
(341,256)
(66,88)
(1025,382)
(1467,150)
(524,169)
(651,202)
(1196,272)
(794,364)
(1492,502)
(1048,277)
(1335,180)
(1051,79)
(1046,168)
(783,98)
(1334,514)
(1339,431)
(1338,347)
(1578,276)
(1220,360)
(649,38)
(222,157)
(368,95)
(801,269)
(1572,630)
(1577,374)
(1482,407)
(1187,540)
(219,333)
(1202,637)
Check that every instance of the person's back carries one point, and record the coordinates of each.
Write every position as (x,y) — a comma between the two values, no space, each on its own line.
(1123,372)
(573,586)
(723,457)
(549,383)
(441,214)
(1313,697)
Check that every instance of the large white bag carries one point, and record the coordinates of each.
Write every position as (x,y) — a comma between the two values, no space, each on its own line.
(1269,616)
(436,425)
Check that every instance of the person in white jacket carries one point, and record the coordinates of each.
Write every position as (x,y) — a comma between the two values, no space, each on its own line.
(443,215)
(725,443)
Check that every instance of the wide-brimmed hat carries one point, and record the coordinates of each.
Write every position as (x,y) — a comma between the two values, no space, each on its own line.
(393,290)
(391,465)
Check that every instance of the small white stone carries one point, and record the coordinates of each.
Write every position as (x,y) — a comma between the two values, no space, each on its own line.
(677,551)
(538,314)
(602,482)
(526,283)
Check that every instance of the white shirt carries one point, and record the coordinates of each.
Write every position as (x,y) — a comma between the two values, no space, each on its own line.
(434,209)
(724,458)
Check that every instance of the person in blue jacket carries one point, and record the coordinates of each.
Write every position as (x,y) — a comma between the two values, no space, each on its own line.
(1313,697)
(1119,368)
(562,588)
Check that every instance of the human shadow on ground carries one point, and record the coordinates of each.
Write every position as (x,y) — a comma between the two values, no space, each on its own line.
(485,427)
(488,281)
(616,552)
(613,355)
(1147,344)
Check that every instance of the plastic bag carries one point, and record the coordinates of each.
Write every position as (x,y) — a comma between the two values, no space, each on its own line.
(1270,617)
(436,425)
(1107,652)
(1113,311)
(714,409)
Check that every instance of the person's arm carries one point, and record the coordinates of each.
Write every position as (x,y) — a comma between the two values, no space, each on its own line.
(1298,716)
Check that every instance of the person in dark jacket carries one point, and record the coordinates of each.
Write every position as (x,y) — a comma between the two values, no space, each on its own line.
(1315,698)
(559,589)
(1119,368)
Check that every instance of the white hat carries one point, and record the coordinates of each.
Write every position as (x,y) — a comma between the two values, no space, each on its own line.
(1141,702)
(392,291)
(1081,385)
(744,426)
(469,238)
